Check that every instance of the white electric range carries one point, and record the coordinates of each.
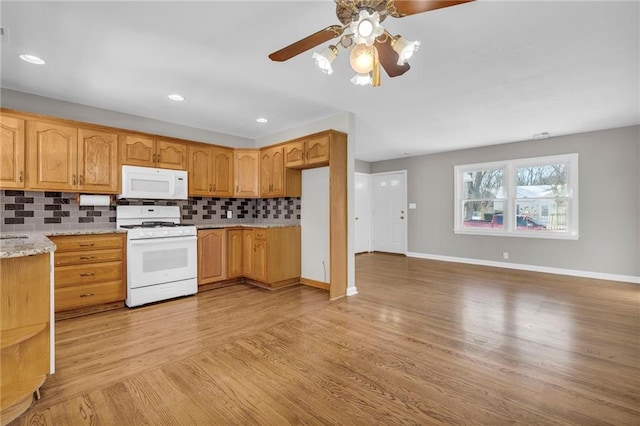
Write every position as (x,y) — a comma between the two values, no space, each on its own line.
(162,259)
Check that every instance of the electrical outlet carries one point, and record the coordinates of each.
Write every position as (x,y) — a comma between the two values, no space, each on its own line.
(229,214)
(505,255)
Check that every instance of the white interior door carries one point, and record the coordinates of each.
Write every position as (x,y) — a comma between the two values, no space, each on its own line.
(390,212)
(363,212)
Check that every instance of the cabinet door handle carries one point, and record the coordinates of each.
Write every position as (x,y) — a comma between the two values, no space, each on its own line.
(87,257)
(20,176)
(86,244)
(210,188)
(86,294)
(81,179)
(158,157)
(87,274)
(74,180)
(214,186)
(154,158)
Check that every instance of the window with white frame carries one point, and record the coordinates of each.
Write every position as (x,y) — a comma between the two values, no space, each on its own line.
(530,197)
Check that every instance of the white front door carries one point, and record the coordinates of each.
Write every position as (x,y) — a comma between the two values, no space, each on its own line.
(390,212)
(363,212)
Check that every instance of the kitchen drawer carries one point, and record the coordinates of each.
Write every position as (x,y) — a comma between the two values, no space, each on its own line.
(66,276)
(260,234)
(88,242)
(89,256)
(88,295)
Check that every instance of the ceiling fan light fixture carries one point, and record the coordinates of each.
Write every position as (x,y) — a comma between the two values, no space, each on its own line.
(362,79)
(366,27)
(325,59)
(362,58)
(404,48)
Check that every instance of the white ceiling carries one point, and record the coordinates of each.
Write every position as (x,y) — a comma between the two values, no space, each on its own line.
(487,72)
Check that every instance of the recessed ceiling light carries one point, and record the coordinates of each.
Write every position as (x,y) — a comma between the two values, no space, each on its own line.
(261,120)
(32,59)
(543,135)
(176,97)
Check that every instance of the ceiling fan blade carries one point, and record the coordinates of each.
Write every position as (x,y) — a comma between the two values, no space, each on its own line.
(400,8)
(389,58)
(307,43)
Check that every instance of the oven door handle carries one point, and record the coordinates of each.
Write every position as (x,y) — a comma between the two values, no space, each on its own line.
(150,241)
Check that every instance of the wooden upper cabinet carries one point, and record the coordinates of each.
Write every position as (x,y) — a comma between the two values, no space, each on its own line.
(294,154)
(210,171)
(171,155)
(11,152)
(52,155)
(97,161)
(308,153)
(148,152)
(200,170)
(272,182)
(246,166)
(223,172)
(138,151)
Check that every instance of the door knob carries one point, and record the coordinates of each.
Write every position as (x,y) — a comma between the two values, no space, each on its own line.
(401,217)
(356,218)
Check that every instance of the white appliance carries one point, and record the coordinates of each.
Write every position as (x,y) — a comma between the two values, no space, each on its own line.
(154,184)
(162,258)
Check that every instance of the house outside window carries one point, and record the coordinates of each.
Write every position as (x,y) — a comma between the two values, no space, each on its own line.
(532,197)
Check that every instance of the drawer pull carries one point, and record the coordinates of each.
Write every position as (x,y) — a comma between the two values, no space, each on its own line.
(88,274)
(87,257)
(86,294)
(86,244)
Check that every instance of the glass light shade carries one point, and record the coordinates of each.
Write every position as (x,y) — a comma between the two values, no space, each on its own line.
(366,27)
(405,48)
(361,79)
(362,58)
(326,58)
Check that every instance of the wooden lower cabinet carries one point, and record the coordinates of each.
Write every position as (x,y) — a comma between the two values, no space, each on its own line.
(24,332)
(268,257)
(89,270)
(234,253)
(272,255)
(212,256)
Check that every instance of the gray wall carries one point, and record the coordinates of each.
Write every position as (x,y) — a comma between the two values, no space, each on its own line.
(362,166)
(609,204)
(61,109)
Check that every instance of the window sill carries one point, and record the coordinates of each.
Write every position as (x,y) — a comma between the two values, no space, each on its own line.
(525,234)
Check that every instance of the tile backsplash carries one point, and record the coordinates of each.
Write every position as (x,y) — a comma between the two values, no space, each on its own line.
(49,211)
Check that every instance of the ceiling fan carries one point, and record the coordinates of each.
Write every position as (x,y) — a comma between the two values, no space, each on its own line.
(371,45)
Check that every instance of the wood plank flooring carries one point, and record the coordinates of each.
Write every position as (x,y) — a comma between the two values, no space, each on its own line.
(423,342)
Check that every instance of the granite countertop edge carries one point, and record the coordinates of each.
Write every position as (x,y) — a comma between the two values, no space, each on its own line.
(243,225)
(20,244)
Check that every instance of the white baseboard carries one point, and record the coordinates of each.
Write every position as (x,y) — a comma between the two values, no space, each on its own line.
(352,291)
(559,271)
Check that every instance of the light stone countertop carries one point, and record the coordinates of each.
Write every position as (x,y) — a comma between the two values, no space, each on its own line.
(18,245)
(243,225)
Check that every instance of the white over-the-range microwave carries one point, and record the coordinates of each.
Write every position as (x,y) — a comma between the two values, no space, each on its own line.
(154,184)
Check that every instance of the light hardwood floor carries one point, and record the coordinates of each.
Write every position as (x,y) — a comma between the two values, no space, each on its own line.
(423,343)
